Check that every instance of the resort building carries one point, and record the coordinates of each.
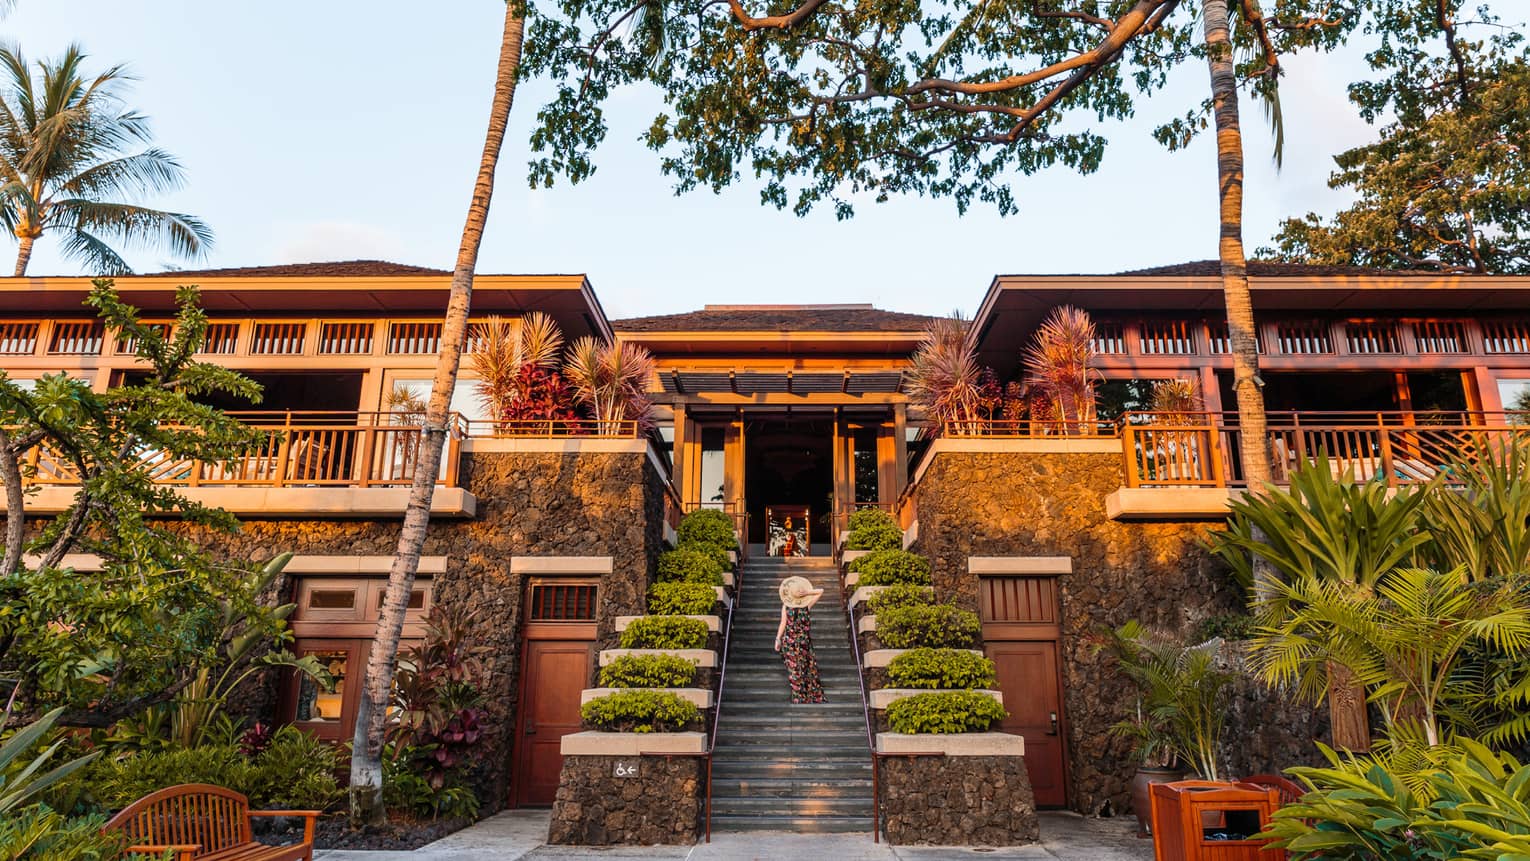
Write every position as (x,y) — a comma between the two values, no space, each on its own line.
(789,419)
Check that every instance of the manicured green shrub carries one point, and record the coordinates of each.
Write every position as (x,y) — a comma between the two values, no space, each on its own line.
(295,771)
(941,668)
(869,518)
(648,671)
(873,529)
(937,626)
(689,566)
(1228,626)
(891,567)
(681,599)
(718,553)
(708,526)
(640,711)
(665,632)
(901,595)
(945,712)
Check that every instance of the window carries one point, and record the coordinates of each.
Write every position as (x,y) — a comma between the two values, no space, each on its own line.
(18,338)
(867,485)
(1304,337)
(279,339)
(465,397)
(1370,337)
(1441,336)
(1506,336)
(315,704)
(222,339)
(77,338)
(1515,395)
(414,339)
(552,601)
(346,339)
(1167,338)
(714,466)
(1109,338)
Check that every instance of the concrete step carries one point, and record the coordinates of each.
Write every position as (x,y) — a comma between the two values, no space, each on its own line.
(792,770)
(794,824)
(784,806)
(791,787)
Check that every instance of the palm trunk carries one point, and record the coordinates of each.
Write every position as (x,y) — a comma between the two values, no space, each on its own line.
(372,712)
(24,254)
(15,511)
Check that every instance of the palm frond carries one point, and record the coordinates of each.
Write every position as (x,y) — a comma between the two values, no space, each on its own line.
(184,235)
(96,256)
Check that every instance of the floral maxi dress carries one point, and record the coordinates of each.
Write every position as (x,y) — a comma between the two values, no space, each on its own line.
(801,663)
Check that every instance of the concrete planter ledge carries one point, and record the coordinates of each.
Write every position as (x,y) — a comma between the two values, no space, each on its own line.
(702,697)
(852,578)
(866,625)
(722,595)
(729,580)
(864,593)
(596,743)
(882,657)
(882,697)
(850,556)
(700,657)
(714,623)
(1168,503)
(950,744)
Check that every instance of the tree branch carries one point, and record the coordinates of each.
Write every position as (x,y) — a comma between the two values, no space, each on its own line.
(775,22)
(1447,25)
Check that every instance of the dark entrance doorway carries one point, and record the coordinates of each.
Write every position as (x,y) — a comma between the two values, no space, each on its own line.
(789,465)
(1021,630)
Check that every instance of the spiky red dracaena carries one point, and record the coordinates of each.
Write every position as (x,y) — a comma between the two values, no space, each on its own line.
(612,379)
(1057,367)
(944,377)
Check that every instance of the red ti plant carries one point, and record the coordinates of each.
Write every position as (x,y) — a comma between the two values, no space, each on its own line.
(438,695)
(518,379)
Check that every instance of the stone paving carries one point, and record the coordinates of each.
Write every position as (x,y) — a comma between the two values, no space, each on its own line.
(517,835)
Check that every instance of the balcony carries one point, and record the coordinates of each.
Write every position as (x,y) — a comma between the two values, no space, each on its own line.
(1187,464)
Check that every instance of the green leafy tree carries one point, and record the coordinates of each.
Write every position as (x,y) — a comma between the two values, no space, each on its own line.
(162,609)
(70,164)
(1445,186)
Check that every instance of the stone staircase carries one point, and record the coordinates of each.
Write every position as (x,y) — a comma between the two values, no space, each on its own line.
(779,766)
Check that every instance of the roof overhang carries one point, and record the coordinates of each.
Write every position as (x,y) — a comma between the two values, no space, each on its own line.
(744,344)
(1015,305)
(805,383)
(568,299)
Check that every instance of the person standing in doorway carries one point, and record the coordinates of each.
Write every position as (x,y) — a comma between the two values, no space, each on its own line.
(794,639)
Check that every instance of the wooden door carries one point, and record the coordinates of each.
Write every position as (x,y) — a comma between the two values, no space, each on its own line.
(557,651)
(1028,677)
(1021,633)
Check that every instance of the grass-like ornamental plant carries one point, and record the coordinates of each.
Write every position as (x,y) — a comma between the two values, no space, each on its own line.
(939,626)
(718,553)
(891,567)
(648,671)
(689,566)
(945,712)
(941,668)
(640,711)
(681,599)
(665,632)
(901,595)
(708,526)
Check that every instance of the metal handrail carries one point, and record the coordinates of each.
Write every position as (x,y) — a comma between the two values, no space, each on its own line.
(722,680)
(871,742)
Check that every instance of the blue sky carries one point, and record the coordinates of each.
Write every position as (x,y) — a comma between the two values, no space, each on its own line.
(334,129)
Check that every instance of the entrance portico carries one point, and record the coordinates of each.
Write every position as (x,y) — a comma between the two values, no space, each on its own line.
(784,412)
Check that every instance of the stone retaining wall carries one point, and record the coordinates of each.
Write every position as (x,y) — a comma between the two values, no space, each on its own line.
(957,801)
(663,804)
(1053,504)
(529,504)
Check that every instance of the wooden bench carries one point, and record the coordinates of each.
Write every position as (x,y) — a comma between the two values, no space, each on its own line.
(200,821)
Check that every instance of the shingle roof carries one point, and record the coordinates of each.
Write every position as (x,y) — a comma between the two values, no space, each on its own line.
(779,318)
(332,269)
(1268,269)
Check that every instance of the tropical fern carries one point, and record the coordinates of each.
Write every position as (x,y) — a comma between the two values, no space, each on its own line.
(1480,520)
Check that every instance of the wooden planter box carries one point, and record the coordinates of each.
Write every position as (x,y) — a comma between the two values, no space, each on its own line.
(1201,820)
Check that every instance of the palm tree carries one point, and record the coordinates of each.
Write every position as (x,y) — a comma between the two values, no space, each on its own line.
(68,166)
(366,804)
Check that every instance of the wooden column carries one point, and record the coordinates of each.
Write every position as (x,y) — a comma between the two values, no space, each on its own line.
(680,454)
(900,450)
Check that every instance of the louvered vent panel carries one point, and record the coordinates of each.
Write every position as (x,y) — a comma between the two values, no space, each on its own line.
(1506,336)
(1441,337)
(1304,338)
(1167,338)
(346,339)
(1109,338)
(222,339)
(18,338)
(278,339)
(1371,337)
(77,338)
(414,339)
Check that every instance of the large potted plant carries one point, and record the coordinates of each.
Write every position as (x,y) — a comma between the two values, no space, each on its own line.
(1179,720)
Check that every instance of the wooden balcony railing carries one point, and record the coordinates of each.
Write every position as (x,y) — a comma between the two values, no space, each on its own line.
(546,428)
(1202,449)
(1027,428)
(296,449)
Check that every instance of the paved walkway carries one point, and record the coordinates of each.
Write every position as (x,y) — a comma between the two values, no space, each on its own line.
(519,834)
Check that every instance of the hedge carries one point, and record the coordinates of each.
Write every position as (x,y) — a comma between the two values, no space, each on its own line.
(681,599)
(716,552)
(891,567)
(939,626)
(648,671)
(944,712)
(881,534)
(665,632)
(901,595)
(941,668)
(689,566)
(640,711)
(708,526)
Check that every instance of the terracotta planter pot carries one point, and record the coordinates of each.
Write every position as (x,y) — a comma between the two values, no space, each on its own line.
(1142,800)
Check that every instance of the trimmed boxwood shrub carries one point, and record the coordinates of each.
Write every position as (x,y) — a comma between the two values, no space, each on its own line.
(681,599)
(944,712)
(718,553)
(890,567)
(648,671)
(708,526)
(901,595)
(941,668)
(640,711)
(876,530)
(689,566)
(938,626)
(665,632)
